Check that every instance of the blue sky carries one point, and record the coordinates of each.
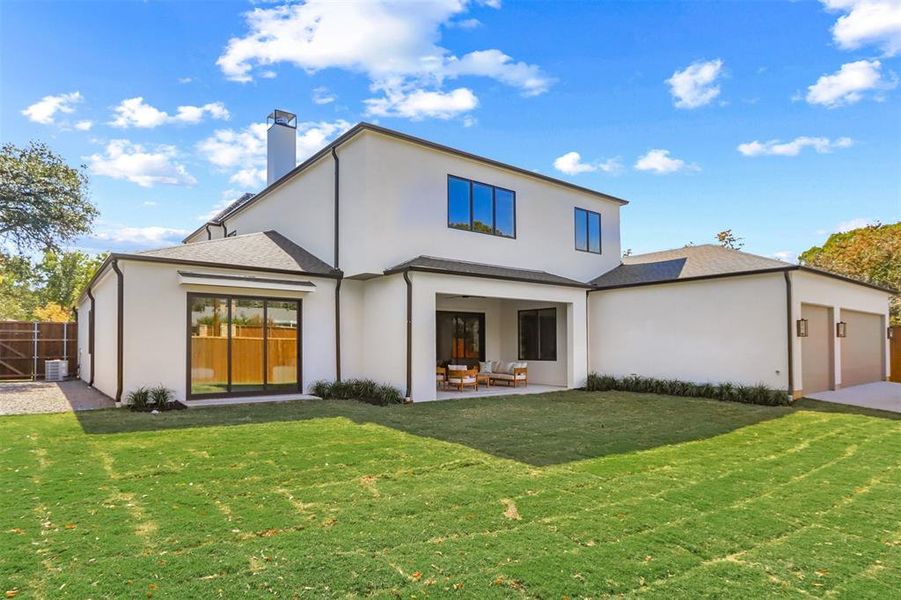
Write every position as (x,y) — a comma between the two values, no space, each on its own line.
(781,121)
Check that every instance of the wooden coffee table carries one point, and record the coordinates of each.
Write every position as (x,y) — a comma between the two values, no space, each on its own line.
(484,379)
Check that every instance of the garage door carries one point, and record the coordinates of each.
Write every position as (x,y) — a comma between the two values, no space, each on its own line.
(816,349)
(862,348)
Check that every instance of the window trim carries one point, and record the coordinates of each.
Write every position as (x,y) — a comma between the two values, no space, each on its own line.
(494,189)
(537,311)
(588,231)
(190,395)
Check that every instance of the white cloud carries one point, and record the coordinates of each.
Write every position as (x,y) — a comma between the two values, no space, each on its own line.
(148,203)
(420,104)
(465,24)
(143,166)
(821,145)
(848,84)
(44,110)
(660,162)
(244,151)
(571,164)
(184,80)
(134,112)
(142,236)
(786,255)
(322,95)
(851,224)
(695,85)
(394,44)
(84,125)
(876,22)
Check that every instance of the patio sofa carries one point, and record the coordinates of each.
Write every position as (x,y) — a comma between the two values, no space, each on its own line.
(507,373)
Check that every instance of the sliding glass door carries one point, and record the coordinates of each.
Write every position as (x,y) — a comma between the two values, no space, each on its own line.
(460,337)
(243,345)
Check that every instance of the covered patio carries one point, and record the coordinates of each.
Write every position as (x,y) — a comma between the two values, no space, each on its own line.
(499,390)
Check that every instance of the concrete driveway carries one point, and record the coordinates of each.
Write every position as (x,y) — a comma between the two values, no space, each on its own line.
(24,397)
(882,395)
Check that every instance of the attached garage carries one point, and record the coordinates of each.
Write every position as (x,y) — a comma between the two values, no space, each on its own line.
(863,348)
(709,314)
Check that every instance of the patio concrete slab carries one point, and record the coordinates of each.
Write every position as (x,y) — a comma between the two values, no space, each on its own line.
(881,395)
(29,397)
(499,390)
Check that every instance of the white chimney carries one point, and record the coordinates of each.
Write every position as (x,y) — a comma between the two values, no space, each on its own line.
(281,144)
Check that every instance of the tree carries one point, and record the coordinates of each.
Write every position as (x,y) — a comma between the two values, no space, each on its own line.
(43,201)
(17,296)
(727,239)
(64,275)
(53,312)
(871,254)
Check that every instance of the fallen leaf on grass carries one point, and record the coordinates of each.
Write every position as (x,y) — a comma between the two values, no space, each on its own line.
(268,533)
(17,531)
(510,512)
(822,572)
(71,525)
(11,593)
(416,576)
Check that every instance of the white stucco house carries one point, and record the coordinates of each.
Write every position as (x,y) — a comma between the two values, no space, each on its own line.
(384,255)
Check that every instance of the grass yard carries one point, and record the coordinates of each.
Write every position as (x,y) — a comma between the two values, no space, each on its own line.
(570,494)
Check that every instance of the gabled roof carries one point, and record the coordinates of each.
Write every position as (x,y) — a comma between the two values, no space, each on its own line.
(431,264)
(702,262)
(685,263)
(361,127)
(266,251)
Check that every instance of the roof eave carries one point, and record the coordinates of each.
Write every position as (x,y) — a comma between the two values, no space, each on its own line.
(438,271)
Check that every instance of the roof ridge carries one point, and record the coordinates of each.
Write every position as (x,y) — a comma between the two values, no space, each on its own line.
(222,239)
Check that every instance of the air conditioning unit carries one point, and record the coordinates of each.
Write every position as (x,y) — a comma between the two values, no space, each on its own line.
(56,370)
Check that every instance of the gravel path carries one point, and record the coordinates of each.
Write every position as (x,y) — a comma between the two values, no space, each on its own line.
(17,398)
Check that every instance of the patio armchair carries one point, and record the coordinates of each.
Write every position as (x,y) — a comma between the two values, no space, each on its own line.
(440,377)
(459,377)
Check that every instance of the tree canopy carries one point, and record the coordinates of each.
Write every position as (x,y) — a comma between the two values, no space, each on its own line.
(870,254)
(43,201)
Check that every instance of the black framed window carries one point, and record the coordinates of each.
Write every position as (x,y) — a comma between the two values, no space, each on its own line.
(538,334)
(475,206)
(588,231)
(460,337)
(243,345)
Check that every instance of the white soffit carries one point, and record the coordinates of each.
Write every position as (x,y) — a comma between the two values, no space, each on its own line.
(245,281)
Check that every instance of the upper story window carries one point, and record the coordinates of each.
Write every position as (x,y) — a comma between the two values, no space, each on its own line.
(588,231)
(475,206)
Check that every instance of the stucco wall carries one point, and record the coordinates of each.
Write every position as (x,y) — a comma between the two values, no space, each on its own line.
(105,334)
(718,330)
(155,327)
(810,288)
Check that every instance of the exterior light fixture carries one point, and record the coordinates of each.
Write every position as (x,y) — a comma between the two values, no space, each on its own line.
(841,329)
(890,333)
(802,327)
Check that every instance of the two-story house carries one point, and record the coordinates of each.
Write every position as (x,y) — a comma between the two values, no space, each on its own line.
(384,255)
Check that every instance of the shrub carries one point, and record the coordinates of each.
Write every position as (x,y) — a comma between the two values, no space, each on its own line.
(364,390)
(138,397)
(160,396)
(730,392)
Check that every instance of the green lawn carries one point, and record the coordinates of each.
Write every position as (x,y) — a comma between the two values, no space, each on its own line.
(569,494)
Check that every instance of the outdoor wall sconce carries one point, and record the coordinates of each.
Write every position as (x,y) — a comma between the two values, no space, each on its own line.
(890,333)
(841,329)
(802,327)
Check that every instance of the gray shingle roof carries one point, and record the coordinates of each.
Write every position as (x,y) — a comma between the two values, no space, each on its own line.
(265,250)
(686,263)
(431,264)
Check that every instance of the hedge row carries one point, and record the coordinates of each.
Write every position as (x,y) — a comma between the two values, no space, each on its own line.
(364,390)
(748,394)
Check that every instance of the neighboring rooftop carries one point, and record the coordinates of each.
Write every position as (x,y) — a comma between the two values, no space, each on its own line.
(686,263)
(431,264)
(268,250)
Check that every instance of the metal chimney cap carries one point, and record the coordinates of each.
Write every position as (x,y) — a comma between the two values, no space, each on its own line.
(282,117)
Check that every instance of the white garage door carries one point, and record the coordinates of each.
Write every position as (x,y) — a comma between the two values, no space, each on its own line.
(816,349)
(862,348)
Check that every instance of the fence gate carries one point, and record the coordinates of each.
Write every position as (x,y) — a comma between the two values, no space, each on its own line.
(25,345)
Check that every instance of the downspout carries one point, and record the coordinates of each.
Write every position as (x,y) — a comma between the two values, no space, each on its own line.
(789,334)
(91,319)
(209,234)
(587,337)
(120,339)
(337,267)
(409,392)
(224,230)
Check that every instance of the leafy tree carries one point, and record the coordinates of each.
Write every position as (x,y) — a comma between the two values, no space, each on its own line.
(17,296)
(727,239)
(43,201)
(64,275)
(53,312)
(870,254)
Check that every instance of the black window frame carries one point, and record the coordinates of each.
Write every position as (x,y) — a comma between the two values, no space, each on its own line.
(494,189)
(190,395)
(587,248)
(537,312)
(478,316)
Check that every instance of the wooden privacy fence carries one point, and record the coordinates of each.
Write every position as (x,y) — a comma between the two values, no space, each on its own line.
(25,345)
(895,345)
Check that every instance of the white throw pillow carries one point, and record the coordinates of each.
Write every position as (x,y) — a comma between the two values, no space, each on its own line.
(485,367)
